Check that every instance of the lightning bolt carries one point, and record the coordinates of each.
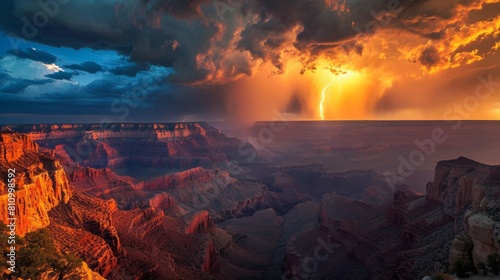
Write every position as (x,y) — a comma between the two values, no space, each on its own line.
(323,98)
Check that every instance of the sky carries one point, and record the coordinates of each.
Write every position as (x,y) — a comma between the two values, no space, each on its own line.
(201,60)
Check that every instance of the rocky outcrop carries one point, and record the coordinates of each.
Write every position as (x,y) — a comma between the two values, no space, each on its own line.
(91,179)
(14,145)
(210,258)
(127,146)
(78,224)
(470,191)
(335,209)
(461,250)
(178,180)
(85,226)
(40,182)
(198,222)
(165,202)
(456,184)
(91,248)
(45,132)
(456,221)
(90,274)
(156,246)
(106,184)
(482,226)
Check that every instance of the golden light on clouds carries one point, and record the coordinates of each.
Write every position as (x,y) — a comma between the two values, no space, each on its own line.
(331,83)
(53,67)
(413,68)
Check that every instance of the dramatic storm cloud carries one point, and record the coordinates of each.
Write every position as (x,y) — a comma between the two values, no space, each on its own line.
(252,57)
(87,66)
(34,54)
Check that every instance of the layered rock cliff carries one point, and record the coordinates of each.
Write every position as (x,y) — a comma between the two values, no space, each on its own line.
(85,227)
(40,182)
(157,246)
(198,222)
(471,192)
(458,184)
(126,147)
(195,175)
(415,235)
(14,145)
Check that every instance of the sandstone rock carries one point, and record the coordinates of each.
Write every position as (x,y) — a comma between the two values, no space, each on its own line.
(90,274)
(156,247)
(460,250)
(85,226)
(91,248)
(121,146)
(179,180)
(14,145)
(462,183)
(40,181)
(198,222)
(485,234)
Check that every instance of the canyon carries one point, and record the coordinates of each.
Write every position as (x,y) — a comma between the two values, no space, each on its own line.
(165,201)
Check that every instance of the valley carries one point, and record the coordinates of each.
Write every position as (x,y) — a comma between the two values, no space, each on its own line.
(182,201)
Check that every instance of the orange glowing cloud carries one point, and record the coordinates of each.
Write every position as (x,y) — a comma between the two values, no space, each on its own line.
(394,73)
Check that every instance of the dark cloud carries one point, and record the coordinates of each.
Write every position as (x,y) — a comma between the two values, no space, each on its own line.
(197,38)
(110,98)
(108,87)
(129,70)
(88,66)
(149,32)
(33,54)
(4,76)
(429,56)
(19,85)
(386,103)
(179,8)
(294,105)
(61,75)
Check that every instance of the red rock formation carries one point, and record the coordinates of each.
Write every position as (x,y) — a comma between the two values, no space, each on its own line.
(165,202)
(40,182)
(96,131)
(91,248)
(465,184)
(423,226)
(178,180)
(134,148)
(148,244)
(97,181)
(84,226)
(156,247)
(198,222)
(103,155)
(453,184)
(14,145)
(210,258)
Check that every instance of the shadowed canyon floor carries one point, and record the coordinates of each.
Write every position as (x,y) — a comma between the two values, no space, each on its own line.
(313,200)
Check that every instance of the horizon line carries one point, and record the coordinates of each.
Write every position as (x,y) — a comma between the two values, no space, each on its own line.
(258,121)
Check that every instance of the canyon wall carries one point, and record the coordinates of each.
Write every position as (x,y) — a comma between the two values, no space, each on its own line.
(85,227)
(40,181)
(471,191)
(415,235)
(179,179)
